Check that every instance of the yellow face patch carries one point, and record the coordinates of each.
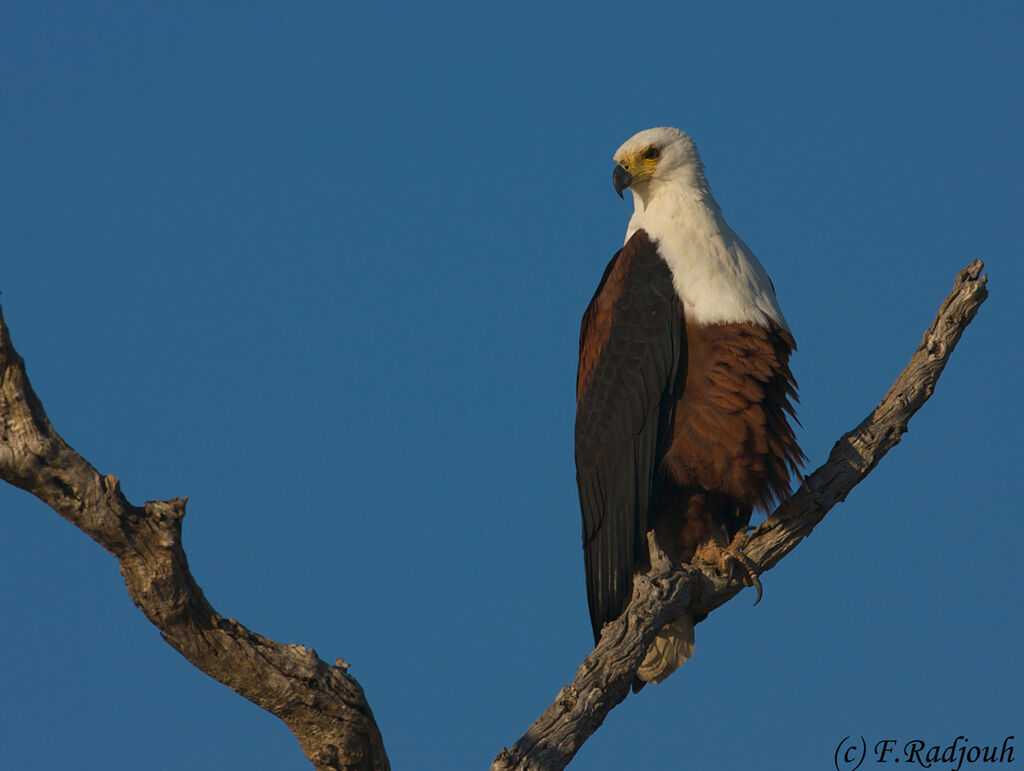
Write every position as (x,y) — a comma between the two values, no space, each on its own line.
(642,163)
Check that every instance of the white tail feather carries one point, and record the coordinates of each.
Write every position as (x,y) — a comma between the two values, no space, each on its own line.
(672,647)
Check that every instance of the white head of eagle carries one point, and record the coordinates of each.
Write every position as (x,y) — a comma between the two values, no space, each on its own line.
(659,155)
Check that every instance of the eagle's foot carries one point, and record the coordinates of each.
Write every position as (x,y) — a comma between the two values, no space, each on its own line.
(728,558)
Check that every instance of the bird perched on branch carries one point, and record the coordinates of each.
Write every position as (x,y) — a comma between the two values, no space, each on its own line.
(683,392)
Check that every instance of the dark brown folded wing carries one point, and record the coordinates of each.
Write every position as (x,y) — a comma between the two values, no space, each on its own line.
(631,346)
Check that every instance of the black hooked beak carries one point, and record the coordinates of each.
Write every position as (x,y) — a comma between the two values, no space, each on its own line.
(621,179)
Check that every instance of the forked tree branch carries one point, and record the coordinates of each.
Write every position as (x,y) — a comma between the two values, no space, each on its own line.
(605,676)
(322,704)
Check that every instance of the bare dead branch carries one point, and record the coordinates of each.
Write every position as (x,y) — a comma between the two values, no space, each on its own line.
(323,705)
(604,678)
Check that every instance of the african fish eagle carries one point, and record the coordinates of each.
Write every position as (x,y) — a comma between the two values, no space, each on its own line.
(683,390)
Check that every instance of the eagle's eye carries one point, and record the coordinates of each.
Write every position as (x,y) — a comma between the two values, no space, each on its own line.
(652,153)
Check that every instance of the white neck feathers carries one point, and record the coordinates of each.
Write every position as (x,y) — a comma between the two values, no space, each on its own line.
(716,275)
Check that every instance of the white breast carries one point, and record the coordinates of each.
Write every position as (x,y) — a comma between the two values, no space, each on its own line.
(715,274)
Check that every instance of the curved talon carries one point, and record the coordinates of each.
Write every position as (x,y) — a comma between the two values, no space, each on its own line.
(744,560)
(735,550)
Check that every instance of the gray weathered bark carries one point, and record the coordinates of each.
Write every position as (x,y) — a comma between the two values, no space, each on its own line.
(322,704)
(605,676)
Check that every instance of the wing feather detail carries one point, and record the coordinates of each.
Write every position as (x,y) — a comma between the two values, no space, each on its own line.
(631,346)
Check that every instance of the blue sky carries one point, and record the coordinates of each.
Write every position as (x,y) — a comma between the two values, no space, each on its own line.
(320,267)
